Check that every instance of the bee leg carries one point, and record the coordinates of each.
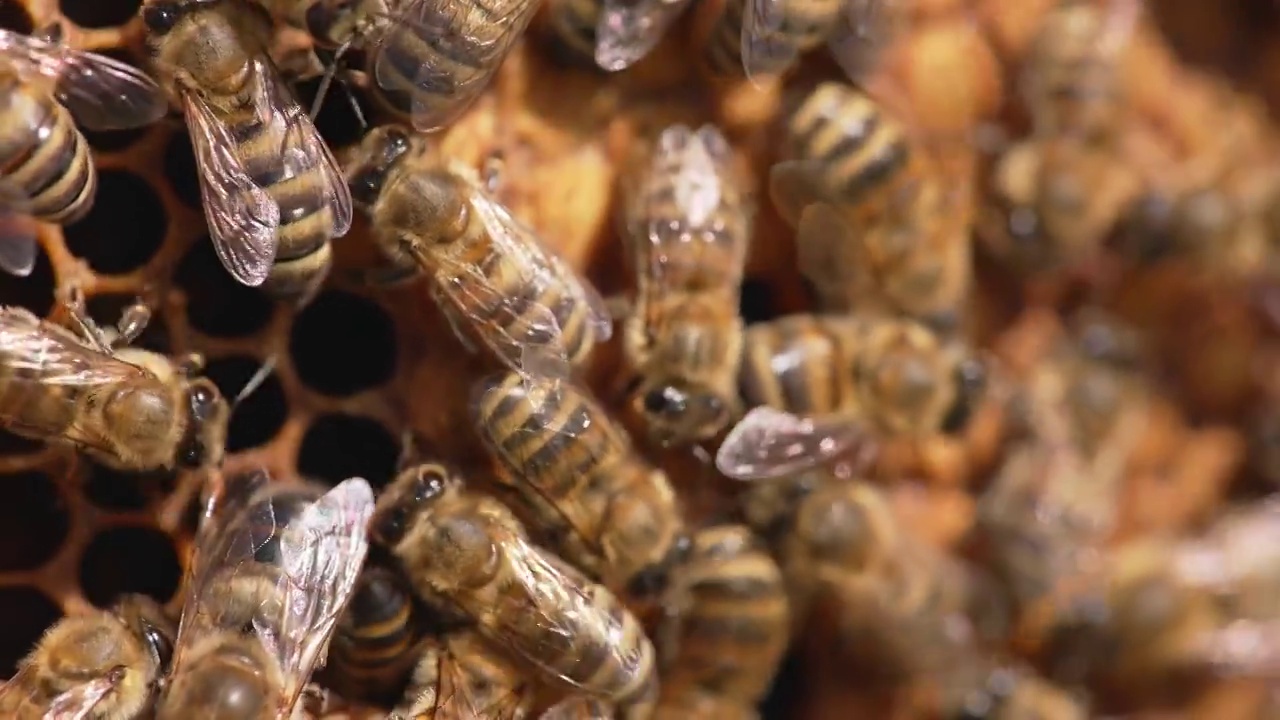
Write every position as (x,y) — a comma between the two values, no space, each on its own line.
(408,451)
(491,172)
(264,371)
(132,323)
(74,301)
(191,364)
(51,33)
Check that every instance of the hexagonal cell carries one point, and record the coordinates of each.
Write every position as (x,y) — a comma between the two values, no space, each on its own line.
(125,227)
(180,169)
(114,140)
(33,292)
(27,613)
(129,559)
(339,446)
(33,521)
(337,120)
(261,414)
(15,17)
(217,304)
(342,344)
(118,491)
(99,13)
(756,304)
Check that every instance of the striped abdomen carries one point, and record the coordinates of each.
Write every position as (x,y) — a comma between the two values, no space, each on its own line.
(805,25)
(860,148)
(801,363)
(373,644)
(44,156)
(737,625)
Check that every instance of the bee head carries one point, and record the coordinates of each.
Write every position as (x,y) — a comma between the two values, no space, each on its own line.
(371,161)
(160,16)
(205,439)
(676,410)
(412,492)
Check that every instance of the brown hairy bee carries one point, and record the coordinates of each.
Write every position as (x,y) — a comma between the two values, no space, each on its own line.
(687,225)
(611,34)
(856,376)
(105,664)
(470,550)
(373,647)
(880,225)
(46,170)
(760,38)
(609,510)
(273,194)
(264,590)
(462,676)
(127,408)
(489,272)
(430,60)
(727,636)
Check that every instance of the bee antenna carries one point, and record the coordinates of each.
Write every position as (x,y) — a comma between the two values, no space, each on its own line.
(264,370)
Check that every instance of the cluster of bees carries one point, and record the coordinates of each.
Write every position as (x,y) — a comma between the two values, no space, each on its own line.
(566,581)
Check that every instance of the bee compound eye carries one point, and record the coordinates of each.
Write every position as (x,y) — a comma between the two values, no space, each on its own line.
(160,17)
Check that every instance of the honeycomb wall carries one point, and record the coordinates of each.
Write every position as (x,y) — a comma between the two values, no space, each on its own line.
(73,534)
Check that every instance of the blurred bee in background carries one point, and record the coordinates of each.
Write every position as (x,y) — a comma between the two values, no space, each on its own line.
(579,707)
(759,38)
(273,194)
(723,640)
(1059,194)
(614,34)
(252,631)
(461,676)
(375,643)
(470,550)
(880,226)
(489,273)
(127,408)
(104,664)
(608,510)
(430,59)
(1016,693)
(46,171)
(687,225)
(849,377)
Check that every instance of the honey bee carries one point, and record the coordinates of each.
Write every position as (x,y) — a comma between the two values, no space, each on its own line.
(688,228)
(849,376)
(273,194)
(615,34)
(373,647)
(47,170)
(104,665)
(252,630)
(127,408)
(766,37)
(463,676)
(879,224)
(609,510)
(728,634)
(488,271)
(1012,693)
(432,60)
(470,550)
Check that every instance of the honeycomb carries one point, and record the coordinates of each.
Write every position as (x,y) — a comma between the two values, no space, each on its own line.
(75,535)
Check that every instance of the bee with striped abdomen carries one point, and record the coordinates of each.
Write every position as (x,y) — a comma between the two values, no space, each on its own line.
(611,34)
(765,37)
(373,646)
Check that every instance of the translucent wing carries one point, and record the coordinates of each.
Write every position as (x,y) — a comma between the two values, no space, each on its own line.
(765,51)
(18,246)
(628,29)
(474,682)
(865,29)
(460,46)
(769,443)
(242,217)
(39,352)
(102,93)
(321,553)
(78,702)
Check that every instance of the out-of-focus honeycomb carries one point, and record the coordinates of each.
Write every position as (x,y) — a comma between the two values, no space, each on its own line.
(73,534)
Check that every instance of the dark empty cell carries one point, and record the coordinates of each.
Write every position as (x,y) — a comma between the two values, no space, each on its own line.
(787,689)
(217,304)
(339,446)
(260,415)
(33,292)
(111,140)
(106,311)
(342,344)
(114,490)
(337,120)
(125,227)
(129,559)
(14,17)
(27,614)
(99,13)
(180,169)
(33,521)
(757,301)
(11,444)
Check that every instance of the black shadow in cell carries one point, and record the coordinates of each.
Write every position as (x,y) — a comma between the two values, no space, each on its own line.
(180,169)
(129,559)
(119,491)
(757,303)
(260,415)
(106,311)
(27,614)
(337,120)
(342,344)
(11,444)
(33,521)
(787,690)
(113,140)
(99,13)
(33,292)
(217,304)
(339,446)
(125,227)
(14,17)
